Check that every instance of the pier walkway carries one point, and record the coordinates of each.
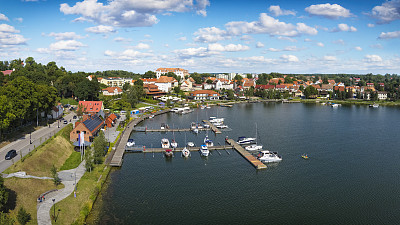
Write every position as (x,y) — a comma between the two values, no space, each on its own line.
(144,129)
(249,157)
(213,128)
(118,154)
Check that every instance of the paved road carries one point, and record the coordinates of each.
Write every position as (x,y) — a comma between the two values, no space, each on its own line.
(23,145)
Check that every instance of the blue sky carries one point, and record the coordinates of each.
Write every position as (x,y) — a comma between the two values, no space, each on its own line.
(204,35)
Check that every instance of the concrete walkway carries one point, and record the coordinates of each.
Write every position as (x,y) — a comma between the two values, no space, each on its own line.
(68,179)
(24,175)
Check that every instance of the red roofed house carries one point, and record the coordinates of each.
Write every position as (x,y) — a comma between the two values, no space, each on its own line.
(152,89)
(165,83)
(339,88)
(91,107)
(90,126)
(247,83)
(112,91)
(178,71)
(110,121)
(204,95)
(264,86)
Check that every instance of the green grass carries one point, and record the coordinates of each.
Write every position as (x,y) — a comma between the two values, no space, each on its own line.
(72,162)
(151,101)
(140,105)
(68,101)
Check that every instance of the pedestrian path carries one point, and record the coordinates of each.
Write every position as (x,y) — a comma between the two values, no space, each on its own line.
(24,175)
(68,178)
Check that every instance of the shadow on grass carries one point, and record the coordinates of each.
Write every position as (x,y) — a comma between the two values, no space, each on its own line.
(12,200)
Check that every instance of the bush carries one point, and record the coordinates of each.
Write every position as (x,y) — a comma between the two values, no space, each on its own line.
(23,217)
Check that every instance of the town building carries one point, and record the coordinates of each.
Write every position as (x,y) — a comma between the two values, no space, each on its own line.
(115,81)
(204,95)
(111,120)
(91,107)
(7,72)
(90,126)
(382,95)
(56,112)
(152,90)
(178,71)
(112,91)
(165,83)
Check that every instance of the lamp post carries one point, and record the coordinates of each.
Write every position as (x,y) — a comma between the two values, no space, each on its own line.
(30,138)
(54,206)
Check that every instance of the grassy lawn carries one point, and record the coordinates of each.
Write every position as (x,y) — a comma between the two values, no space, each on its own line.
(76,209)
(24,192)
(70,101)
(55,152)
(72,162)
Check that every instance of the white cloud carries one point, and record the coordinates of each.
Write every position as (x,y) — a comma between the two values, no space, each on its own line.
(358,48)
(339,42)
(344,27)
(133,13)
(330,58)
(329,11)
(227,48)
(3,17)
(371,25)
(287,48)
(65,36)
(387,12)
(320,44)
(101,29)
(274,50)
(372,58)
(182,39)
(265,25)
(142,46)
(19,19)
(66,45)
(289,58)
(7,28)
(192,52)
(246,38)
(128,54)
(389,35)
(277,11)
(121,39)
(259,45)
(286,39)
(308,40)
(377,46)
(9,36)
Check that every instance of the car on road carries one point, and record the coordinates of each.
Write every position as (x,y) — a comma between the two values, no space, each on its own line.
(65,122)
(74,117)
(11,154)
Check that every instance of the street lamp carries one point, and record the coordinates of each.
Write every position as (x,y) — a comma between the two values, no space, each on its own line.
(30,138)
(54,206)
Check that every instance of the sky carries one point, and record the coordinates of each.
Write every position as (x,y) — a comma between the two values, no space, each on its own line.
(205,36)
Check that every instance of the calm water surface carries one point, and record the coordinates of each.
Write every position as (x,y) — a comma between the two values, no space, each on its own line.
(352,176)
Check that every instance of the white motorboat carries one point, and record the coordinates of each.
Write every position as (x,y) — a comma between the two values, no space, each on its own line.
(185,152)
(335,105)
(208,142)
(245,140)
(190,144)
(214,119)
(130,143)
(164,143)
(151,116)
(267,156)
(254,147)
(164,126)
(174,144)
(204,150)
(222,126)
(374,105)
(195,130)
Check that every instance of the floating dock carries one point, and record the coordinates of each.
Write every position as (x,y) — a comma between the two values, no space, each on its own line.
(249,157)
(158,150)
(213,128)
(144,129)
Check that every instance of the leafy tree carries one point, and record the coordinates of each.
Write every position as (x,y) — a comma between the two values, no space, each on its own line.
(23,216)
(209,81)
(309,91)
(126,86)
(3,194)
(120,104)
(288,80)
(325,80)
(149,74)
(177,89)
(139,82)
(87,90)
(134,94)
(249,76)
(99,147)
(301,88)
(196,77)
(89,159)
(230,94)
(5,219)
(54,174)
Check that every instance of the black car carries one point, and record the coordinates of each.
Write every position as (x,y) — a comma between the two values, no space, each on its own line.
(11,154)
(74,117)
(65,122)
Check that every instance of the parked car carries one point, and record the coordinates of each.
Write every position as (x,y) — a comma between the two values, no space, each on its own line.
(11,154)
(74,117)
(65,122)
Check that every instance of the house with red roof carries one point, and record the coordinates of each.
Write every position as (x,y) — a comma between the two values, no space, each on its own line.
(91,107)
(165,83)
(204,95)
(90,126)
(111,119)
(109,91)
(7,72)
(152,89)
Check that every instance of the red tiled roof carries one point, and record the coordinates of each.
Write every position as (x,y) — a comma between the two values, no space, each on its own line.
(265,86)
(7,72)
(209,92)
(112,89)
(165,79)
(91,106)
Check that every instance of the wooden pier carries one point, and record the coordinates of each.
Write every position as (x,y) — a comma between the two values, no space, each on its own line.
(213,128)
(118,154)
(249,157)
(143,129)
(159,150)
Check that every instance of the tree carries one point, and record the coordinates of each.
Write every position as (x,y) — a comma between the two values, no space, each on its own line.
(309,91)
(249,76)
(134,94)
(87,90)
(177,89)
(89,159)
(126,86)
(99,147)
(149,74)
(138,82)
(325,80)
(288,80)
(23,216)
(54,174)
(5,219)
(3,194)
(209,81)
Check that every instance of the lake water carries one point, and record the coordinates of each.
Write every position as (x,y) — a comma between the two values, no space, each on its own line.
(352,176)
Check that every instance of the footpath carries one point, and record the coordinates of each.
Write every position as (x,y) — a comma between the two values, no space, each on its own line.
(69,178)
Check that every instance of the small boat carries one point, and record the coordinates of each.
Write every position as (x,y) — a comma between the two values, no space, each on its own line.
(208,142)
(222,126)
(195,130)
(206,125)
(204,150)
(185,152)
(174,144)
(374,105)
(190,144)
(267,156)
(304,156)
(244,140)
(208,107)
(130,143)
(164,126)
(202,107)
(335,105)
(254,147)
(164,143)
(214,119)
(168,153)
(151,116)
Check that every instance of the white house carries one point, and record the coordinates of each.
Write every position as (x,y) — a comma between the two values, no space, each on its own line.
(204,95)
(178,71)
(187,85)
(165,83)
(56,112)
(382,95)
(115,81)
(112,91)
